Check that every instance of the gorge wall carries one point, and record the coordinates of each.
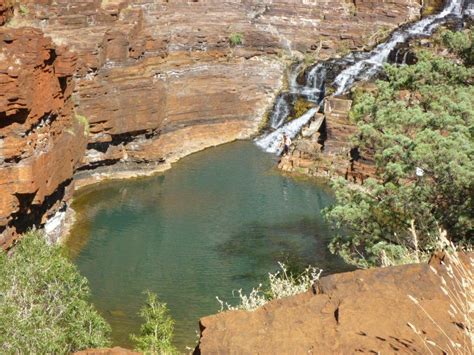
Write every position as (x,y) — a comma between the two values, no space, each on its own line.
(148,82)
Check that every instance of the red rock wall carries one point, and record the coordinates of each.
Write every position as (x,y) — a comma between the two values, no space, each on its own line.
(159,79)
(41,142)
(156,80)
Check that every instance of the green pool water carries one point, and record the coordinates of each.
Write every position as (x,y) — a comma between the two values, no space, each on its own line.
(218,221)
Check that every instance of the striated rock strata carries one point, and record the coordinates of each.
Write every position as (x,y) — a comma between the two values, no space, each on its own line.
(41,141)
(365,311)
(154,80)
(160,79)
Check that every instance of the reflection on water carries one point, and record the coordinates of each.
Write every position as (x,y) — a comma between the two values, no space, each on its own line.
(216,222)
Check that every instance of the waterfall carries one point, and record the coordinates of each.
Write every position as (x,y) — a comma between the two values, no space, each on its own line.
(358,66)
(280,112)
(367,68)
(272,142)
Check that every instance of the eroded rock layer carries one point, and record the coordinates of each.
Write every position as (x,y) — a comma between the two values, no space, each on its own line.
(365,311)
(41,140)
(161,79)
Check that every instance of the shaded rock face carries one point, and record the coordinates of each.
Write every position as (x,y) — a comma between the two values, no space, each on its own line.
(41,142)
(364,311)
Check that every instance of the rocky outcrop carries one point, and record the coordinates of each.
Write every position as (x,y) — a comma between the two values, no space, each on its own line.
(326,150)
(110,351)
(41,141)
(6,10)
(364,311)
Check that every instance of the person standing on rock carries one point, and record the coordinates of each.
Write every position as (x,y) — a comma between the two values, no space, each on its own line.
(286,144)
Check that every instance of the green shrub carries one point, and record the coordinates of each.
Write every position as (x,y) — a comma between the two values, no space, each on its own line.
(461,43)
(236,39)
(44,302)
(23,10)
(418,126)
(281,284)
(156,333)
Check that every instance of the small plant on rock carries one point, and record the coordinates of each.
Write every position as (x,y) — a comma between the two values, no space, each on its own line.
(156,333)
(282,284)
(236,39)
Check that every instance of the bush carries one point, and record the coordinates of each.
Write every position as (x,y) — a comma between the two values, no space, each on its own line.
(156,334)
(281,284)
(236,39)
(418,126)
(44,302)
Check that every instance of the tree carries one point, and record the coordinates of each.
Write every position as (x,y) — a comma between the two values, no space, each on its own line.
(156,333)
(419,127)
(44,302)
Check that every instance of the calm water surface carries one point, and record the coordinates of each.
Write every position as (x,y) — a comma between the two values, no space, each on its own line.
(218,221)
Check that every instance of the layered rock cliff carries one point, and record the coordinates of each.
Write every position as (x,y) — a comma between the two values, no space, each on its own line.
(41,140)
(161,79)
(154,80)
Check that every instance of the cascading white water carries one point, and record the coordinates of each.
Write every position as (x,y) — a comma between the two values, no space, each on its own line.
(311,91)
(363,66)
(280,112)
(366,68)
(272,143)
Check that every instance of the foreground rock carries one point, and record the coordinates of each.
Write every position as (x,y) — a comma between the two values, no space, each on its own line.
(108,351)
(364,311)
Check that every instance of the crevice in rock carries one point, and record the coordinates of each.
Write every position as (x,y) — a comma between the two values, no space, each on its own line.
(336,315)
(95,165)
(124,138)
(19,117)
(52,57)
(30,215)
(63,84)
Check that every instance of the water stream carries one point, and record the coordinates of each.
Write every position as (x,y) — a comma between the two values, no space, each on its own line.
(218,221)
(352,68)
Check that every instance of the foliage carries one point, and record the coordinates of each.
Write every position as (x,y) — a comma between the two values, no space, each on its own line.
(156,333)
(236,39)
(457,283)
(44,305)
(23,10)
(300,107)
(461,43)
(418,126)
(281,284)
